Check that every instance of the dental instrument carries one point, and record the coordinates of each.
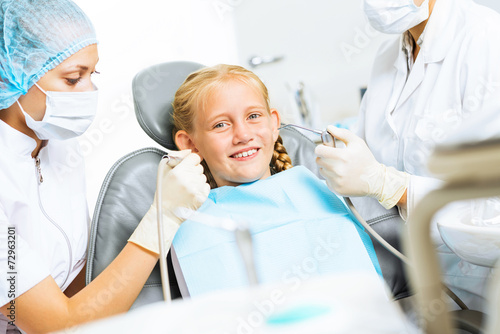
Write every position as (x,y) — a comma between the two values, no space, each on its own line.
(302,104)
(163,257)
(326,137)
(257,61)
(170,159)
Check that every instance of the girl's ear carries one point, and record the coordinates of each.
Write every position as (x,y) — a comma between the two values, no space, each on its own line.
(276,122)
(184,141)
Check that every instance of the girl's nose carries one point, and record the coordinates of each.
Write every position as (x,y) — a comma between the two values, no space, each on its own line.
(241,134)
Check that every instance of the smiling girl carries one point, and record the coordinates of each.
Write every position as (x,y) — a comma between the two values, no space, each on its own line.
(222,113)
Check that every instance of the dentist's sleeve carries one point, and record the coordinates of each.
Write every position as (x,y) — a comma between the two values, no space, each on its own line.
(418,188)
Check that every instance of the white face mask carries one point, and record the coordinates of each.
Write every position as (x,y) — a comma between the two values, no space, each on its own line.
(395,16)
(67,114)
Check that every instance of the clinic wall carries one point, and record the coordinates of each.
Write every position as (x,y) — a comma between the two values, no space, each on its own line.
(327,45)
(132,36)
(495,4)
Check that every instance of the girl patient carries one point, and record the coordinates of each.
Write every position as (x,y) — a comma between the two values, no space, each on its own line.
(299,227)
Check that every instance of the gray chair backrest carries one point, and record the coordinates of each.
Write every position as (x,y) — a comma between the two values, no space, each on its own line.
(154,90)
(128,189)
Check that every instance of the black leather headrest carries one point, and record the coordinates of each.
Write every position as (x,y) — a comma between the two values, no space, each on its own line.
(153,90)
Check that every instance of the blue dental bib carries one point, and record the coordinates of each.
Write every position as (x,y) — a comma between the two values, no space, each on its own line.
(299,229)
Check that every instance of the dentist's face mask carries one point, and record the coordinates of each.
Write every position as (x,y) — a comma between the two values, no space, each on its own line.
(395,16)
(67,114)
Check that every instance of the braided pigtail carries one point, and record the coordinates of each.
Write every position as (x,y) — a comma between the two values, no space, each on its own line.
(280,160)
(208,174)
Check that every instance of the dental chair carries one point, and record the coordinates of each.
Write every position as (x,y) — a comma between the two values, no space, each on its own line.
(128,189)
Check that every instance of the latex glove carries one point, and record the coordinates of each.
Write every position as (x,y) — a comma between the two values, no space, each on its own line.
(354,171)
(184,186)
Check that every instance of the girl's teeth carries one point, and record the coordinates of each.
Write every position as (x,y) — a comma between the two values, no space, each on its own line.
(245,154)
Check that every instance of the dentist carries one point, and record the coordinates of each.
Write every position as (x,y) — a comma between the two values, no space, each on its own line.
(438,74)
(48,53)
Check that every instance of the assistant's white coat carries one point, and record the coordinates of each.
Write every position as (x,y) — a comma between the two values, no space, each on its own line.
(41,248)
(455,79)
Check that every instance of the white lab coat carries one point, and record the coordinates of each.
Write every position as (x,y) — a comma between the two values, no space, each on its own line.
(455,78)
(41,248)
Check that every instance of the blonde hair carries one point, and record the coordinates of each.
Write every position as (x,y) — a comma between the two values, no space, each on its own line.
(196,90)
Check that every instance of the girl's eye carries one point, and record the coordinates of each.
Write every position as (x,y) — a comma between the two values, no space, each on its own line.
(253,116)
(219,125)
(95,72)
(73,82)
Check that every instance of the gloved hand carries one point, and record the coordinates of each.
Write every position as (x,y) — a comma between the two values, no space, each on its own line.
(184,186)
(354,171)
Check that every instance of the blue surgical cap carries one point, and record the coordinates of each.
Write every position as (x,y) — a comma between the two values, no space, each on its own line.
(35,37)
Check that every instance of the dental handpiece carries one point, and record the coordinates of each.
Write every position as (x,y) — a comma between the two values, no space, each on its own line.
(326,137)
(171,159)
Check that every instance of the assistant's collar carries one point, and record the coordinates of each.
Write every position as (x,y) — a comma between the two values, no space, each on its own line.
(443,26)
(16,141)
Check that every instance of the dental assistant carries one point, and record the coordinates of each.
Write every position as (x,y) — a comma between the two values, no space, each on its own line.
(439,74)
(48,53)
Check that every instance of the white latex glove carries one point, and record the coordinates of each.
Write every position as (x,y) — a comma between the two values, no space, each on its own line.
(184,186)
(353,170)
